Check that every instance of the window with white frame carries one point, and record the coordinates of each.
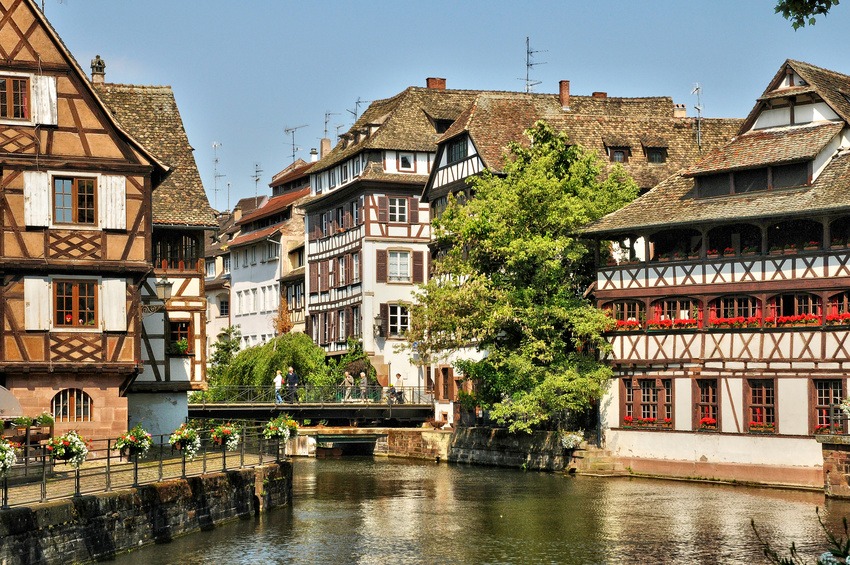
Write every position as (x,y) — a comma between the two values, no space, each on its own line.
(314,326)
(398,210)
(406,162)
(355,212)
(332,178)
(252,254)
(225,260)
(210,268)
(355,267)
(342,273)
(355,320)
(272,250)
(343,174)
(399,321)
(331,273)
(72,405)
(356,166)
(341,326)
(398,266)
(325,222)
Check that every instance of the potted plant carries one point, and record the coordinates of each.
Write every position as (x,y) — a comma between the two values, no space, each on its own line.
(45,419)
(70,447)
(790,249)
(837,243)
(226,436)
(628,421)
(749,250)
(22,423)
(823,429)
(775,250)
(137,441)
(180,347)
(667,423)
(708,423)
(842,319)
(187,440)
(811,245)
(712,254)
(729,252)
(282,428)
(8,456)
(627,325)
(571,440)
(762,427)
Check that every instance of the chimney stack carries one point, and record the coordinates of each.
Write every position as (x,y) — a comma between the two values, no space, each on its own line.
(237,213)
(98,70)
(435,83)
(324,147)
(564,94)
(600,95)
(680,111)
(314,155)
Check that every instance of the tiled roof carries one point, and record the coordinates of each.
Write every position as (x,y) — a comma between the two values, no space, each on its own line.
(273,205)
(150,114)
(296,170)
(673,203)
(495,119)
(254,236)
(769,147)
(404,122)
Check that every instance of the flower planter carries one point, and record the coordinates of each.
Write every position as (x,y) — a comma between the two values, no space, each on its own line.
(707,428)
(713,255)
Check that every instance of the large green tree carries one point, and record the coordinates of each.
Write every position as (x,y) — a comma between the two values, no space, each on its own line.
(802,12)
(512,278)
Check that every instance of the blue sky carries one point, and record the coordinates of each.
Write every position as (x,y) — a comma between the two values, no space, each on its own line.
(243,71)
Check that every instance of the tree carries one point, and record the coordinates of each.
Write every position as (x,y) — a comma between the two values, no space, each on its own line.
(223,350)
(282,321)
(512,278)
(802,12)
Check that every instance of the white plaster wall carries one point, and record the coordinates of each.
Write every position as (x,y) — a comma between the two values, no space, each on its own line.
(820,111)
(792,406)
(158,413)
(731,401)
(825,156)
(256,322)
(683,403)
(716,448)
(773,118)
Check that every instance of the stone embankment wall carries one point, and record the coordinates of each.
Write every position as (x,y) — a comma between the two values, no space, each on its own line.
(540,451)
(417,443)
(836,465)
(97,527)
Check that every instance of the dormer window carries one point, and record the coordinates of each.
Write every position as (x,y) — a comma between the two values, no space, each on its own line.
(619,154)
(456,150)
(442,126)
(656,155)
(754,180)
(406,162)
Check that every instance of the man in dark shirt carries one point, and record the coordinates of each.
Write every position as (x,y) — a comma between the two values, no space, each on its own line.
(291,385)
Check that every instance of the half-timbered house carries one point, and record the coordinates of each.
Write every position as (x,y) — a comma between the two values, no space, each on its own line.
(367,234)
(75,233)
(731,337)
(173,298)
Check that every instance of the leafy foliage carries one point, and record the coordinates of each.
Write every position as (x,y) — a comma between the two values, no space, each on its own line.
(512,277)
(839,546)
(802,12)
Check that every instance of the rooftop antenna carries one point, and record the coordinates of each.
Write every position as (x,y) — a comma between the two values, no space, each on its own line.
(356,111)
(698,91)
(228,195)
(328,119)
(216,174)
(256,176)
(290,131)
(529,64)
(338,127)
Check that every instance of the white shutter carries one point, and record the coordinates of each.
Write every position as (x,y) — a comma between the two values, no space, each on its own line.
(36,198)
(44,107)
(112,203)
(37,303)
(113,305)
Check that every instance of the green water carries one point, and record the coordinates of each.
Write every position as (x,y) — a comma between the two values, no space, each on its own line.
(365,510)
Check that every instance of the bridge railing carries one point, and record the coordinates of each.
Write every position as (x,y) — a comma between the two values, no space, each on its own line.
(106,469)
(310,394)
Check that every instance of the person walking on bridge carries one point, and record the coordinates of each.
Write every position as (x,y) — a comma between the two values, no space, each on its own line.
(348,384)
(278,384)
(291,385)
(364,384)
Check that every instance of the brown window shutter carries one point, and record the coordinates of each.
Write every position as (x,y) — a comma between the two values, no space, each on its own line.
(385,317)
(362,208)
(336,277)
(413,210)
(349,265)
(349,322)
(316,225)
(381,265)
(383,210)
(418,266)
(332,333)
(346,216)
(314,277)
(323,275)
(308,326)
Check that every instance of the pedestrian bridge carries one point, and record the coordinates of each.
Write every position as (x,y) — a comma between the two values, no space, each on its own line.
(336,405)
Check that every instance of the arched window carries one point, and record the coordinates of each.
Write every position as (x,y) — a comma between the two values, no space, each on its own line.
(794,309)
(838,311)
(72,405)
(671,313)
(627,313)
(734,312)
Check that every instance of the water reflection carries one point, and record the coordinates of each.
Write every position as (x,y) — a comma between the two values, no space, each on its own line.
(360,510)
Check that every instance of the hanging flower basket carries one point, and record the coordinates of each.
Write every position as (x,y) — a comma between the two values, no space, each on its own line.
(226,436)
(8,457)
(137,441)
(71,448)
(187,440)
(283,427)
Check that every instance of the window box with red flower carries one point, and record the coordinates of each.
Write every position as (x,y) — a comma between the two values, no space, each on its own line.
(838,243)
(811,246)
(708,424)
(627,326)
(790,249)
(838,319)
(712,254)
(799,320)
(628,421)
(645,422)
(762,427)
(735,322)
(729,252)
(749,250)
(825,429)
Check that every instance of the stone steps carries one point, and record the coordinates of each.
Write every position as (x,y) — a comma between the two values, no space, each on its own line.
(595,461)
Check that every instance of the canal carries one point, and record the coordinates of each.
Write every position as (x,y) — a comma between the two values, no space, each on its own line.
(365,510)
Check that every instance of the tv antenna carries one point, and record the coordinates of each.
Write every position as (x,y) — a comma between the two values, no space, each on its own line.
(338,127)
(529,64)
(698,91)
(291,131)
(328,119)
(256,176)
(356,111)
(216,174)
(228,195)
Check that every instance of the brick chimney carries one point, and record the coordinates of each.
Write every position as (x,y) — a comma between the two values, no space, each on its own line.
(325,147)
(680,111)
(237,213)
(564,94)
(314,155)
(98,70)
(600,95)
(435,83)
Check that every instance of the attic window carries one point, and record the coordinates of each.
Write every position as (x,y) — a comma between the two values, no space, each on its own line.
(619,154)
(442,125)
(656,154)
(754,180)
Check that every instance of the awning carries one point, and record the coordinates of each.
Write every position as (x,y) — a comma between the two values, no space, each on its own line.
(9,405)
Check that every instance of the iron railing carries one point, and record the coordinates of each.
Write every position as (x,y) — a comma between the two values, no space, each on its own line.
(310,394)
(106,469)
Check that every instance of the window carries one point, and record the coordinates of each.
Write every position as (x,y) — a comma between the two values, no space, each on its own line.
(619,154)
(706,404)
(74,200)
(398,210)
(827,391)
(331,273)
(355,267)
(356,167)
(173,250)
(355,320)
(326,327)
(733,307)
(14,98)
(656,155)
(341,326)
(751,180)
(272,250)
(325,222)
(457,150)
(210,268)
(223,307)
(340,218)
(406,162)
(252,254)
(75,303)
(626,310)
(441,126)
(398,265)
(355,213)
(180,337)
(314,326)
(341,270)
(399,322)
(799,304)
(331,178)
(762,405)
(343,173)
(786,176)
(648,403)
(226,264)
(72,405)
(674,313)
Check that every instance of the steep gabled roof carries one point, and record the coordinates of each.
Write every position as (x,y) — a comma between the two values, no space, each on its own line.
(294,171)
(150,113)
(274,205)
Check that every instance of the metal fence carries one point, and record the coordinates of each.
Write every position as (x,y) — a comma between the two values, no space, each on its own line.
(310,394)
(36,477)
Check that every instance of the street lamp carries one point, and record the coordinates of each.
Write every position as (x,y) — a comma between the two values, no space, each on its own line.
(163,293)
(378,328)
